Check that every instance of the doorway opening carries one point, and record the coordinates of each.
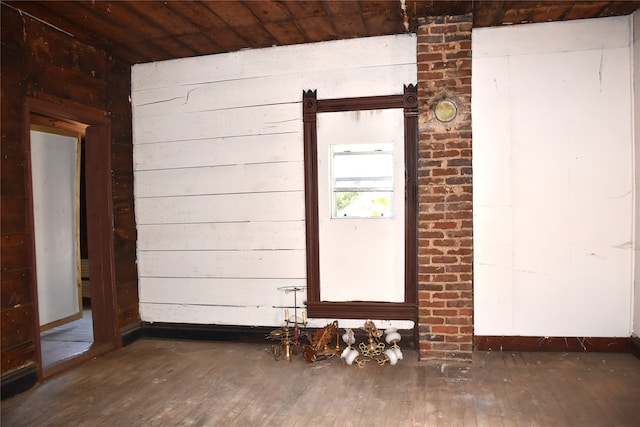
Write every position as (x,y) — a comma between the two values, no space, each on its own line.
(62,260)
(87,327)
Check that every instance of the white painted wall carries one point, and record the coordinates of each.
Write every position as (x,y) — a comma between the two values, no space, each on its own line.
(553,179)
(636,111)
(219,179)
(54,179)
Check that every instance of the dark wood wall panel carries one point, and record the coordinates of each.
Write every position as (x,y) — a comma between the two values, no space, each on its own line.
(13,219)
(20,319)
(17,357)
(12,291)
(41,62)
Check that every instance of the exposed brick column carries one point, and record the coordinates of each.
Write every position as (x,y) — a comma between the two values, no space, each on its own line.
(445,223)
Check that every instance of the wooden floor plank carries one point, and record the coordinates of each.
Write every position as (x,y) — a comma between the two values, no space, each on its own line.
(182,383)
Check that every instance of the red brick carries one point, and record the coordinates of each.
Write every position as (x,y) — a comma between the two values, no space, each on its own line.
(432,304)
(424,251)
(444,259)
(446,345)
(446,295)
(462,267)
(425,345)
(445,190)
(430,234)
(428,217)
(444,329)
(461,321)
(429,57)
(460,251)
(461,303)
(458,286)
(423,278)
(432,287)
(432,320)
(447,242)
(446,225)
(430,269)
(429,75)
(445,278)
(445,172)
(445,312)
(466,329)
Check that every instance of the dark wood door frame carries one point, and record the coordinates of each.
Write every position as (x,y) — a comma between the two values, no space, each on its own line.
(406,310)
(99,222)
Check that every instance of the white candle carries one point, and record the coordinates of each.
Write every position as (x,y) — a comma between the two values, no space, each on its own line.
(304,317)
(286,315)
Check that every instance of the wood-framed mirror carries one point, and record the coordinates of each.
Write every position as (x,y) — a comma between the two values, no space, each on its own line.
(362,258)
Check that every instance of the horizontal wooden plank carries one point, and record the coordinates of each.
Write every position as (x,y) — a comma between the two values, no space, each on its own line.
(211,314)
(17,357)
(255,178)
(13,217)
(308,58)
(15,253)
(19,321)
(123,214)
(267,90)
(286,206)
(288,264)
(228,292)
(244,149)
(222,236)
(258,315)
(12,178)
(121,155)
(16,288)
(272,90)
(219,123)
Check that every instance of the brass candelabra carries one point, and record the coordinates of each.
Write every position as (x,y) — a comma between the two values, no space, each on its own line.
(289,337)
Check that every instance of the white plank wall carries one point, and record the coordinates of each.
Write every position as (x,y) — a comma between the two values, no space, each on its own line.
(553,179)
(219,172)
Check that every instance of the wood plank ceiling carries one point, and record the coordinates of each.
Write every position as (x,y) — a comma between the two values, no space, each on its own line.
(146,31)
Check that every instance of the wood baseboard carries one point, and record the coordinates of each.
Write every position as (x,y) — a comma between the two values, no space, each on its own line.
(257,334)
(18,381)
(188,331)
(247,334)
(572,344)
(131,334)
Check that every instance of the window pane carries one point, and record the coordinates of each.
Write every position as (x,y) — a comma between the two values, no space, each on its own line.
(363,165)
(362,183)
(363,204)
(371,184)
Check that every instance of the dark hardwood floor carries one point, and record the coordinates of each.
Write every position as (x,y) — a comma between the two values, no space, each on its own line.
(184,383)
